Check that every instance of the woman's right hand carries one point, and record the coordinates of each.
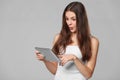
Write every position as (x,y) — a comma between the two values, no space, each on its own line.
(40,56)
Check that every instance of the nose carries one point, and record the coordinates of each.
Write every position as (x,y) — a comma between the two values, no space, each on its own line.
(69,22)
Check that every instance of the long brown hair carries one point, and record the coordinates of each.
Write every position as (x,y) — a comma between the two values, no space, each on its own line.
(83,31)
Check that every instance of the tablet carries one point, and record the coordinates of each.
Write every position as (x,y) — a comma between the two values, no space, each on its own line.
(48,54)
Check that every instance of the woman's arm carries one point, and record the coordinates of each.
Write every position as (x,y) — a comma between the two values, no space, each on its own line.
(51,66)
(88,68)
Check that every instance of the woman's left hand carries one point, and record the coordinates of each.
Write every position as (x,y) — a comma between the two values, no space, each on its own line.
(65,58)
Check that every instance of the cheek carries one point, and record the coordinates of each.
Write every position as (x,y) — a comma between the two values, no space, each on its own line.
(74,23)
(67,22)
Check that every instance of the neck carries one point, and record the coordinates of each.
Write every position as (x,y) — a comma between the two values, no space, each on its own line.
(74,39)
(74,35)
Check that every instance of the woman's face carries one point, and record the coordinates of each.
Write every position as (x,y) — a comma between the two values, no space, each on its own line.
(71,21)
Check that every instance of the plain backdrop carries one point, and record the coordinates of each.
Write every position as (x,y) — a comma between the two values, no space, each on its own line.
(25,24)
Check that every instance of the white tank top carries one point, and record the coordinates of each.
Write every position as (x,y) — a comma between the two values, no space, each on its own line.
(69,71)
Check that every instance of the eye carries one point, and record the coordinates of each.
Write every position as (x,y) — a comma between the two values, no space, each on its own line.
(74,19)
(66,18)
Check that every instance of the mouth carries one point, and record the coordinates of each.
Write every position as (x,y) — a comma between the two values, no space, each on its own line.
(71,28)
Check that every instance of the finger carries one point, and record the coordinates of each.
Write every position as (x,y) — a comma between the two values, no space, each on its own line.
(63,63)
(37,54)
(62,59)
(60,56)
(41,55)
(40,58)
(37,51)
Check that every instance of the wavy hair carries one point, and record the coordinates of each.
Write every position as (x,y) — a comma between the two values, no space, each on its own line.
(83,31)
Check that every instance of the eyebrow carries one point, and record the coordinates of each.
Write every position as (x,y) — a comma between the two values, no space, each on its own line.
(70,17)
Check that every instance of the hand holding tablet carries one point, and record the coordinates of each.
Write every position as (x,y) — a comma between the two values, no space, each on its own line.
(48,54)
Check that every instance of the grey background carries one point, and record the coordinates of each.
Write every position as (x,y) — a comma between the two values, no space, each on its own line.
(25,24)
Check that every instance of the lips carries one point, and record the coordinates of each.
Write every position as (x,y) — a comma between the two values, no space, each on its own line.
(71,28)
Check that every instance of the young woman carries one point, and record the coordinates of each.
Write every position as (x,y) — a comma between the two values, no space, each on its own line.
(74,45)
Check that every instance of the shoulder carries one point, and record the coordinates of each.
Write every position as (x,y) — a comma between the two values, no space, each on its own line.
(56,38)
(94,46)
(94,42)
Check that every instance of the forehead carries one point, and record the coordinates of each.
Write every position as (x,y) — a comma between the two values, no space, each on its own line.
(70,14)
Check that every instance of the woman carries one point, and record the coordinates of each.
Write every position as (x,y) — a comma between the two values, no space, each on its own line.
(74,45)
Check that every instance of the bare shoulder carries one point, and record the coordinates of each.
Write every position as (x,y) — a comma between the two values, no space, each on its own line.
(94,45)
(56,38)
(94,40)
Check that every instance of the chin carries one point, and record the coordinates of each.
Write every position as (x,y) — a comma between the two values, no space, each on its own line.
(73,31)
